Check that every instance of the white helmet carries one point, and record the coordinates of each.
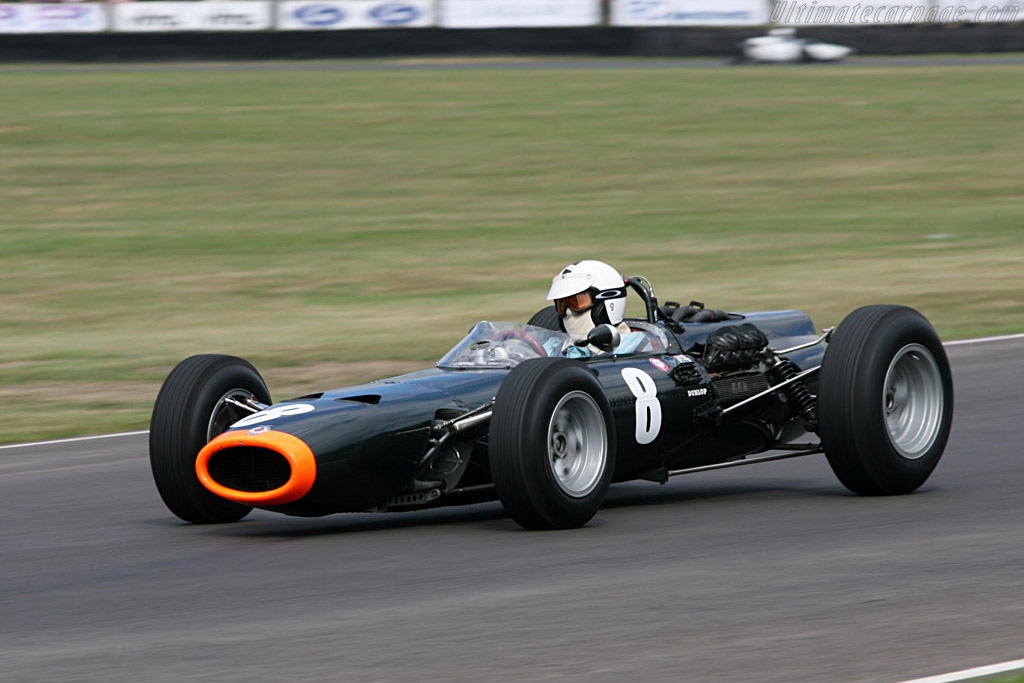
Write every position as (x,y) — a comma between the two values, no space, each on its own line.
(590,286)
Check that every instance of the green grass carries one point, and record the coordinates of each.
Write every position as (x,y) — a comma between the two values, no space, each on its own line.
(333,226)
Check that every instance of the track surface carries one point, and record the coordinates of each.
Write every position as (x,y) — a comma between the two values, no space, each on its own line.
(766,573)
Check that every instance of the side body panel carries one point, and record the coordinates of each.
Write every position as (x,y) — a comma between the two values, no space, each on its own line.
(368,439)
(654,414)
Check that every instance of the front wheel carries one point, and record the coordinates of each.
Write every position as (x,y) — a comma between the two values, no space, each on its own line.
(201,398)
(552,444)
(885,400)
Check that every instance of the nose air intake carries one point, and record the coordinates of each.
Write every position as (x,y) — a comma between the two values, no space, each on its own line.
(268,468)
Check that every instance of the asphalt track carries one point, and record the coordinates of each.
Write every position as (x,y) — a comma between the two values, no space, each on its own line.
(765,573)
(500,64)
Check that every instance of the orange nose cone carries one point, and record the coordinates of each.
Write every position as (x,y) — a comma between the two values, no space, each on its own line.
(293,449)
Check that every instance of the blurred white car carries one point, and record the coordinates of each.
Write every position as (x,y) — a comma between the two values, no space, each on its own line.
(781,46)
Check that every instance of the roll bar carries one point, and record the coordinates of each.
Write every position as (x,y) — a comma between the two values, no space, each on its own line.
(642,286)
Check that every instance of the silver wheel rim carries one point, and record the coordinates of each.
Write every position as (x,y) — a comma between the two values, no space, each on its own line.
(224,414)
(912,401)
(577,444)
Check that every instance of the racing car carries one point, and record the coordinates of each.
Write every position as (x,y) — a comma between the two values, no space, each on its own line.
(782,46)
(505,415)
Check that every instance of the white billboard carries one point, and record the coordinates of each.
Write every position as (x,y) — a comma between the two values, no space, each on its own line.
(689,12)
(519,13)
(230,15)
(52,18)
(234,15)
(303,15)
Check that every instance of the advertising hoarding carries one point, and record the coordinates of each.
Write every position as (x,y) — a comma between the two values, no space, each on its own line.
(689,12)
(302,15)
(519,13)
(52,18)
(155,17)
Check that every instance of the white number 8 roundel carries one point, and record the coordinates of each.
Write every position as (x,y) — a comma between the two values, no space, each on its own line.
(648,407)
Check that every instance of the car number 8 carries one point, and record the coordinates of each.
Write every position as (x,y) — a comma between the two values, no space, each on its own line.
(648,407)
(274,413)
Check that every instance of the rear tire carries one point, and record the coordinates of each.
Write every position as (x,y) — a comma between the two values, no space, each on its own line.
(547,318)
(189,411)
(552,444)
(885,401)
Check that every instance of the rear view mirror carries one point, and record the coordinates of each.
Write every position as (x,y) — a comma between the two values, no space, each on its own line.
(604,337)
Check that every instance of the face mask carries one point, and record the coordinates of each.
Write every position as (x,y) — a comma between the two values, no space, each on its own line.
(578,325)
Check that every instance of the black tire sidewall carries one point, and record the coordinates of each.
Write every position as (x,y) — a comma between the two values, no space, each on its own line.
(178,431)
(209,392)
(853,429)
(526,484)
(547,318)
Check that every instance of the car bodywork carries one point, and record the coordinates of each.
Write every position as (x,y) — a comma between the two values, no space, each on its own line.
(376,446)
(545,424)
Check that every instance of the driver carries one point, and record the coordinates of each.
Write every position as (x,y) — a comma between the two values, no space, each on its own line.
(588,294)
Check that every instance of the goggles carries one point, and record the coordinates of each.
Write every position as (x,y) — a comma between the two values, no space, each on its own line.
(577,302)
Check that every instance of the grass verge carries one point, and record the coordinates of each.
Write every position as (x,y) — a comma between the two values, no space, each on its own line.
(334,226)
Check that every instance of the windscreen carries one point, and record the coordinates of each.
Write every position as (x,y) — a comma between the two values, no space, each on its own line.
(502,345)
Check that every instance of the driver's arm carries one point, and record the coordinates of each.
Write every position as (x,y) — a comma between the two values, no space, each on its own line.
(553,346)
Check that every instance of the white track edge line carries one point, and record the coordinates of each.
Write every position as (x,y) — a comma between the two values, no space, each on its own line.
(72,440)
(1002,337)
(958,342)
(977,672)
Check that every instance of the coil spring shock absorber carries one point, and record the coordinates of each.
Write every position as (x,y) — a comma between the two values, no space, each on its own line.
(796,392)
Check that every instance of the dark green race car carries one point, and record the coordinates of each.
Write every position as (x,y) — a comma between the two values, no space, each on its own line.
(505,415)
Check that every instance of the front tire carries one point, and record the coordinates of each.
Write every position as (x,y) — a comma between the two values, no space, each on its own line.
(189,411)
(885,400)
(552,444)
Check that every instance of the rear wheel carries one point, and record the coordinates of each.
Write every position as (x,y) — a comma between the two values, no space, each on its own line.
(547,318)
(552,444)
(885,401)
(199,400)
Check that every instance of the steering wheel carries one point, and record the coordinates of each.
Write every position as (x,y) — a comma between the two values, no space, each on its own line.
(526,337)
